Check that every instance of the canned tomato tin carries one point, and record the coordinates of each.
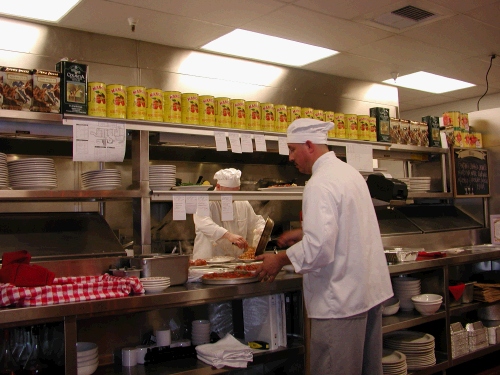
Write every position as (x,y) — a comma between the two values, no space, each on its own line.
(223,113)
(207,110)
(267,117)
(372,128)
(154,100)
(116,98)
(351,126)
(172,106)
(280,118)
(136,102)
(318,114)
(96,92)
(464,121)
(451,118)
(252,115)
(306,112)
(339,125)
(329,116)
(363,126)
(237,107)
(293,113)
(189,103)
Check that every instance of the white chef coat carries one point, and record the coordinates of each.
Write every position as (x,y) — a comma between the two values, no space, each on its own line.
(341,254)
(209,230)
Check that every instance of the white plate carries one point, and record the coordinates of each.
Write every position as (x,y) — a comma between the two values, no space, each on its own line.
(155,289)
(220,259)
(155,278)
(283,188)
(192,187)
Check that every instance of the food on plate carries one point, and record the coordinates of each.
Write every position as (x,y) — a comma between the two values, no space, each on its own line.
(206,182)
(198,262)
(228,275)
(247,267)
(283,185)
(248,254)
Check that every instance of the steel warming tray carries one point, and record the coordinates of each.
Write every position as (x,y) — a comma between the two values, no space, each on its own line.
(175,266)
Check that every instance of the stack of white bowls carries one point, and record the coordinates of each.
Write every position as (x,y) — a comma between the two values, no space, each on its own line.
(32,174)
(87,355)
(162,177)
(200,332)
(4,172)
(404,288)
(155,284)
(101,179)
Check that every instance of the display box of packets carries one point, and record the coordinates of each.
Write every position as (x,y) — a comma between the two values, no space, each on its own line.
(477,336)
(459,340)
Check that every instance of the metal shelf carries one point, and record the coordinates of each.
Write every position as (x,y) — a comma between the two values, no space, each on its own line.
(408,319)
(67,195)
(164,196)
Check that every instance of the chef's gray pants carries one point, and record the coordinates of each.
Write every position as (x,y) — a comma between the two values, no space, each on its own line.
(347,346)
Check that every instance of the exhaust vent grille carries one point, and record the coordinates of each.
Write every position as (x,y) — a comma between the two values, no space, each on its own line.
(413,13)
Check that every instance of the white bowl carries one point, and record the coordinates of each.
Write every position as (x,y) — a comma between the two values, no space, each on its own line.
(87,370)
(390,307)
(427,304)
(86,349)
(427,298)
(88,362)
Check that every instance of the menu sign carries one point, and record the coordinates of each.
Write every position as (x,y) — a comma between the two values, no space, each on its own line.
(470,173)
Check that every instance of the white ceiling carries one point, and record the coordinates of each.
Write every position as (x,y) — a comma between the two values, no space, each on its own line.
(456,44)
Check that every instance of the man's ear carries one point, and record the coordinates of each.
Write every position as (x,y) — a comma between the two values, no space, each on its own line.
(310,146)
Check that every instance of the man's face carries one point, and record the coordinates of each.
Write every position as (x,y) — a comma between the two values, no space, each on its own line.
(299,155)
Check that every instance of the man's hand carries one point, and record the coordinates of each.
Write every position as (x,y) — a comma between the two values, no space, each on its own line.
(271,265)
(236,240)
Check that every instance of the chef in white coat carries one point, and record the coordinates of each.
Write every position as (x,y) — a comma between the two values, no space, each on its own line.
(215,237)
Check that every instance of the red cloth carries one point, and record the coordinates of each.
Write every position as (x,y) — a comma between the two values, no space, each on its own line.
(433,254)
(17,270)
(457,290)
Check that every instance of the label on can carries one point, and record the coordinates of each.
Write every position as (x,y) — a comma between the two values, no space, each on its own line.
(252,115)
(267,118)
(280,118)
(363,127)
(451,118)
(136,102)
(293,113)
(464,121)
(189,103)
(238,113)
(458,137)
(351,122)
(424,134)
(207,110)
(318,114)
(172,106)
(154,99)
(404,132)
(116,98)
(339,125)
(73,87)
(223,113)
(372,129)
(329,116)
(306,112)
(394,129)
(97,99)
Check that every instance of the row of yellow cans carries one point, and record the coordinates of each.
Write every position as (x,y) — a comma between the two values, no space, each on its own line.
(456,119)
(458,137)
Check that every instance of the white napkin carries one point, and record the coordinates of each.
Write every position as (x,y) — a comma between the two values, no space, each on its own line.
(225,352)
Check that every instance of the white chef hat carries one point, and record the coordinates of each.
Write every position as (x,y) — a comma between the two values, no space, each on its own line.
(308,129)
(228,177)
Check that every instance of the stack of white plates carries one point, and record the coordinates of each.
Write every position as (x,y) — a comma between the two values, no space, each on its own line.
(404,288)
(32,174)
(200,332)
(162,177)
(393,362)
(87,358)
(4,172)
(417,183)
(155,284)
(418,347)
(101,179)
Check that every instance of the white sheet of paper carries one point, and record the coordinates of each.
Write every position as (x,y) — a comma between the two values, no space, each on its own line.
(234,140)
(246,142)
(202,208)
(98,141)
(282,146)
(179,206)
(444,142)
(220,141)
(260,143)
(360,156)
(227,207)
(191,204)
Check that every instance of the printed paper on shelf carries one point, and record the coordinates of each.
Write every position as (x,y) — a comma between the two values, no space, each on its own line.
(98,141)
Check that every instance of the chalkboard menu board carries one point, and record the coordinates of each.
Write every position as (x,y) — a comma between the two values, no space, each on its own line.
(470,173)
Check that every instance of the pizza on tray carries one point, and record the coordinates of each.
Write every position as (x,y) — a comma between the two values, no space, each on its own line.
(228,275)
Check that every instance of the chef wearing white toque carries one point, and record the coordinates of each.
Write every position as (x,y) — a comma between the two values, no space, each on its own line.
(215,237)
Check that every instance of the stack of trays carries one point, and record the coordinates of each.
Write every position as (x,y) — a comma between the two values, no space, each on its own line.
(4,172)
(404,288)
(162,177)
(417,183)
(459,340)
(394,362)
(32,174)
(418,347)
(155,284)
(101,179)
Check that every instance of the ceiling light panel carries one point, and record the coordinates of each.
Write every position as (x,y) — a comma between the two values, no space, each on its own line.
(429,82)
(48,10)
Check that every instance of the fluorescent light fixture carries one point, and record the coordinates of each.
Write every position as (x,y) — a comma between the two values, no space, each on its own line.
(428,82)
(263,47)
(46,10)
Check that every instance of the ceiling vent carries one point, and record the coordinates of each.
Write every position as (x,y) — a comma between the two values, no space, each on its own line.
(405,17)
(413,13)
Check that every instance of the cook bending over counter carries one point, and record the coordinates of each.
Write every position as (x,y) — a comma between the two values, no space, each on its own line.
(215,237)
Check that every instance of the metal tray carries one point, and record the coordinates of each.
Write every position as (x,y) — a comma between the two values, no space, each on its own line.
(241,280)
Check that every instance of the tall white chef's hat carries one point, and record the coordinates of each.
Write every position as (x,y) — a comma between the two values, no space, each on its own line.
(308,129)
(228,177)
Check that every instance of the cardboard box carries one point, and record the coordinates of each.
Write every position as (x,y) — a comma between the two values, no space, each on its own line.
(73,87)
(16,88)
(383,123)
(46,91)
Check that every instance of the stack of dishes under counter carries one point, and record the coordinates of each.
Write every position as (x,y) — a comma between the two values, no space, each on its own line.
(32,174)
(418,347)
(162,177)
(4,172)
(394,362)
(417,183)
(101,179)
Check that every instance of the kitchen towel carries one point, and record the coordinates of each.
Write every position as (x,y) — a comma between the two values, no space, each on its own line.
(225,352)
(17,270)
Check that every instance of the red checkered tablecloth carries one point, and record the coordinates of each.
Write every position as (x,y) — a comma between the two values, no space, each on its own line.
(70,289)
